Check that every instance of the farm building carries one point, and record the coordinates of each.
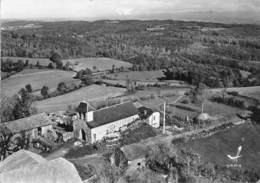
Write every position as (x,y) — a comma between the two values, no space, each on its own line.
(93,126)
(34,126)
(151,117)
(26,166)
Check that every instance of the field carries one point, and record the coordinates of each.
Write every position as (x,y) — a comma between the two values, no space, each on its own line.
(33,61)
(212,108)
(215,148)
(101,64)
(253,91)
(138,75)
(37,78)
(90,93)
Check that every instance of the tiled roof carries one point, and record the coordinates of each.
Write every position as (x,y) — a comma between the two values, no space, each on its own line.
(28,123)
(113,113)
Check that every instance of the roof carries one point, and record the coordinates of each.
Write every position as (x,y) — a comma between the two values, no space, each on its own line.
(55,171)
(145,112)
(112,113)
(84,107)
(20,159)
(28,123)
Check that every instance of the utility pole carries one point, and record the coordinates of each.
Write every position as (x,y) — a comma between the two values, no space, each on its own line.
(164,106)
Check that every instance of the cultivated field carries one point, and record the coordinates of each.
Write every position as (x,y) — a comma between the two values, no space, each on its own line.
(33,61)
(90,93)
(215,148)
(96,64)
(37,78)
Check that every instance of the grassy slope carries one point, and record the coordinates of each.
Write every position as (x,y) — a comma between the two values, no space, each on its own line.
(37,78)
(100,63)
(90,93)
(215,148)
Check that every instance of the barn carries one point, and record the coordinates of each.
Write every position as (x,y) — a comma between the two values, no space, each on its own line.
(34,126)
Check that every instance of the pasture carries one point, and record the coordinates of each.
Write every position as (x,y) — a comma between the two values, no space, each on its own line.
(89,93)
(33,61)
(216,147)
(96,64)
(37,78)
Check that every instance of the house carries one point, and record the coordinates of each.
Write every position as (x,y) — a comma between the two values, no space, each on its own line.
(26,166)
(36,125)
(93,126)
(151,117)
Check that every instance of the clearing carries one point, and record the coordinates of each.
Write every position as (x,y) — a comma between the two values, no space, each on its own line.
(96,64)
(89,93)
(37,78)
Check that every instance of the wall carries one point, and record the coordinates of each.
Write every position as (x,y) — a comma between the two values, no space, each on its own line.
(45,129)
(102,131)
(154,120)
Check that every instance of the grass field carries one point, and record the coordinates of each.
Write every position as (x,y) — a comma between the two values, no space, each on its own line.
(33,61)
(37,78)
(253,91)
(215,148)
(212,108)
(138,75)
(90,93)
(101,64)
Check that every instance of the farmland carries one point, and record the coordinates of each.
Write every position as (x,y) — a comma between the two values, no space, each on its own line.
(138,75)
(90,93)
(37,78)
(96,64)
(215,148)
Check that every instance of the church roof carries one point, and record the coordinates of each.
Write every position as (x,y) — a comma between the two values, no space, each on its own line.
(112,113)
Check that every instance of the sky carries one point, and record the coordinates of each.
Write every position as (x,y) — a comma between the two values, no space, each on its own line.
(112,9)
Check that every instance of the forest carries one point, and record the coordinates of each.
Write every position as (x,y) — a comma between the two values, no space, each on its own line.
(217,55)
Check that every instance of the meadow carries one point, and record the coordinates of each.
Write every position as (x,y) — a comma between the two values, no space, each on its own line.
(216,147)
(89,93)
(96,64)
(137,75)
(37,78)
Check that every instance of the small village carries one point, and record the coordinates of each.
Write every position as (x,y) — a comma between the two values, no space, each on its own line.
(121,91)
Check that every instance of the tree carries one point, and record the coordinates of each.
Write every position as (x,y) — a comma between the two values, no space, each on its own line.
(199,95)
(23,107)
(7,107)
(113,68)
(19,66)
(44,91)
(50,66)
(87,80)
(28,88)
(62,87)
(55,57)
(5,138)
